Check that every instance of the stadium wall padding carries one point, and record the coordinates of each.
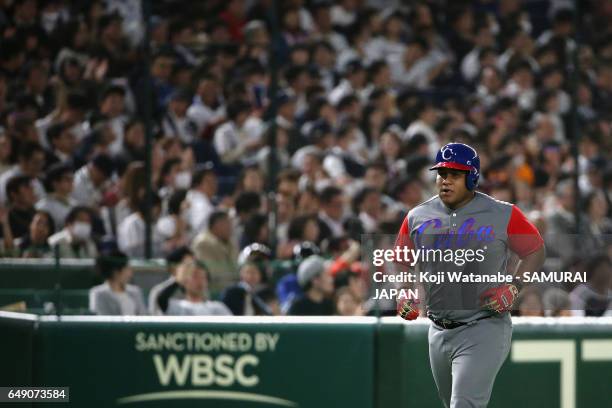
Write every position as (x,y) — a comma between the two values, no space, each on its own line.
(292,362)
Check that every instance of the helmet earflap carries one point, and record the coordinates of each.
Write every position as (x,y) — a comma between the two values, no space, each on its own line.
(471,179)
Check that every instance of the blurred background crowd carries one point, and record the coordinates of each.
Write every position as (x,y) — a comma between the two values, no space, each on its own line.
(278,131)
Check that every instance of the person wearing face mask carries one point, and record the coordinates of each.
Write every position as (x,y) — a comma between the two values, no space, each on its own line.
(74,240)
(115,296)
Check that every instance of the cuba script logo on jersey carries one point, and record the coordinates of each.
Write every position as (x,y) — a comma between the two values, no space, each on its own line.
(466,233)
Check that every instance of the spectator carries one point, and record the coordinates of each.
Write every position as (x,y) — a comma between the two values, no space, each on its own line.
(75,239)
(31,161)
(176,122)
(255,231)
(317,285)
(6,150)
(561,222)
(131,231)
(529,302)
(62,145)
(113,110)
(215,248)
(426,116)
(172,227)
(116,296)
(173,260)
(242,298)
(194,279)
(419,66)
(347,304)
(556,303)
(21,198)
(594,298)
(304,228)
(91,181)
(35,244)
(133,146)
(58,202)
(207,109)
(199,199)
(240,136)
(332,211)
(598,224)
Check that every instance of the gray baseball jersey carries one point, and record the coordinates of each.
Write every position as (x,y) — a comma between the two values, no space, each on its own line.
(494,227)
(465,360)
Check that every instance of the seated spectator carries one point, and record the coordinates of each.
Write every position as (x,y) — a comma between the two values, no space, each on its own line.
(173,260)
(318,286)
(21,199)
(245,206)
(115,296)
(214,246)
(62,144)
(199,198)
(347,304)
(367,204)
(594,298)
(207,108)
(556,303)
(529,302)
(238,138)
(6,150)
(332,212)
(242,298)
(598,224)
(31,161)
(75,240)
(133,144)
(131,231)
(255,231)
(58,202)
(172,228)
(176,123)
(194,280)
(90,181)
(35,244)
(113,110)
(268,296)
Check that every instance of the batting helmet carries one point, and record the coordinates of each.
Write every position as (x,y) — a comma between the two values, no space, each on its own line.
(460,156)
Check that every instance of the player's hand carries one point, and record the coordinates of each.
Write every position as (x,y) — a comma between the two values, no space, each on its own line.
(408,309)
(499,299)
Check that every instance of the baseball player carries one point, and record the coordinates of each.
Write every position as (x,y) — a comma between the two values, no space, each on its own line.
(471,329)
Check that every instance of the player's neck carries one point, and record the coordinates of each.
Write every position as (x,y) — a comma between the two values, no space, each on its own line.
(463,202)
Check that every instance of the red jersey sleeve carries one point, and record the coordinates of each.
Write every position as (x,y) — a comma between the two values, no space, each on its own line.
(403,238)
(523,237)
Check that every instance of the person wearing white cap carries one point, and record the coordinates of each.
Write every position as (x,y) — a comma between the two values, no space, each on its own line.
(318,286)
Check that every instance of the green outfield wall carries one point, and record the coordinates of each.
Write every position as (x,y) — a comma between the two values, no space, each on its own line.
(290,362)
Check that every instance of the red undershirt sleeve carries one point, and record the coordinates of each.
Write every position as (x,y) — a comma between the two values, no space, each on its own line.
(523,237)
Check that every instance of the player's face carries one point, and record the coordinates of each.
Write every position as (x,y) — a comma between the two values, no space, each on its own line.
(451,187)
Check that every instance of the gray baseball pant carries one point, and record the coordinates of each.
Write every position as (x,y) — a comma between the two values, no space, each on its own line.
(465,361)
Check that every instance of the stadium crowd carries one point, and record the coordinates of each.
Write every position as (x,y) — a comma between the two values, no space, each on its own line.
(369,91)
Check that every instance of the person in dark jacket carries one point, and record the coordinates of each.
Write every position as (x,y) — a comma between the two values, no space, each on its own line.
(242,298)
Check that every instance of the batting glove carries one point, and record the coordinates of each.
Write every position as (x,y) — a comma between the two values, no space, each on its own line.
(499,299)
(408,309)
